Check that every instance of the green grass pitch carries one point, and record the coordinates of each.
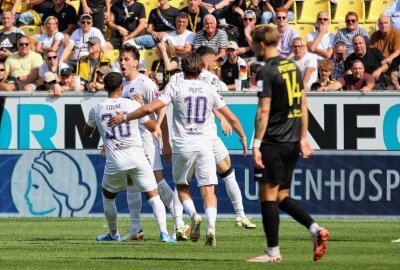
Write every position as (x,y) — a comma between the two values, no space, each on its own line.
(69,243)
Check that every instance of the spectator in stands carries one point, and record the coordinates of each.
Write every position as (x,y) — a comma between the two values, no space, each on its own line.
(339,57)
(372,59)
(99,84)
(127,20)
(52,64)
(305,61)
(163,68)
(98,9)
(181,39)
(67,80)
(321,41)
(34,12)
(215,7)
(8,36)
(7,83)
(233,67)
(51,39)
(196,15)
(14,6)
(233,14)
(386,39)
(24,65)
(325,67)
(286,32)
(161,21)
(250,84)
(347,34)
(244,36)
(88,65)
(79,40)
(269,15)
(65,14)
(212,37)
(358,80)
(393,12)
(394,73)
(49,81)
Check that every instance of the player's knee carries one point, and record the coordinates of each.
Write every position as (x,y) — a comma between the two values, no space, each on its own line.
(226,173)
(109,195)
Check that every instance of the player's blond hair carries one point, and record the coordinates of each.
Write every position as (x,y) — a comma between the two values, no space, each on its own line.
(267,35)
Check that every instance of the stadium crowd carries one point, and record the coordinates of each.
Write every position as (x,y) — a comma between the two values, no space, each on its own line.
(75,39)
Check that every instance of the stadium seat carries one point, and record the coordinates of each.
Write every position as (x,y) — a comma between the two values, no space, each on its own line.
(179,4)
(295,13)
(30,30)
(113,55)
(76,5)
(370,27)
(334,27)
(303,29)
(311,8)
(376,7)
(344,6)
(149,5)
(149,56)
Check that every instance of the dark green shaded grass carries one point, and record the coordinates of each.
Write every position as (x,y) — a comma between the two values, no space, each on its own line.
(69,243)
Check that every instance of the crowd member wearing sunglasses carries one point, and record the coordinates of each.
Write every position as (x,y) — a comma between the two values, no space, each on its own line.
(24,65)
(52,64)
(347,34)
(286,33)
(7,83)
(244,37)
(320,42)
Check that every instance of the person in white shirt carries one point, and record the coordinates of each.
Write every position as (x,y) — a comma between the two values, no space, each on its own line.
(124,157)
(306,62)
(182,39)
(193,120)
(321,41)
(136,83)
(78,41)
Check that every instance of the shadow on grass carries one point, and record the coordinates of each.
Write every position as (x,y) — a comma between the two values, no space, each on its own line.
(162,259)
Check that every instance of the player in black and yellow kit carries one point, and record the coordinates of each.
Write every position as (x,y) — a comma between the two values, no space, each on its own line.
(280,134)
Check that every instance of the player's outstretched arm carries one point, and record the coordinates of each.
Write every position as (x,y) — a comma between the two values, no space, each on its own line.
(150,125)
(305,146)
(142,111)
(236,125)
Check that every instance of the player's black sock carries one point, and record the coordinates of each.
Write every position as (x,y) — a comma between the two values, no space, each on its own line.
(296,211)
(270,219)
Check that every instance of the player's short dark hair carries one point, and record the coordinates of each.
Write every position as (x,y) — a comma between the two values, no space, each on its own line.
(192,64)
(267,35)
(204,50)
(130,49)
(112,81)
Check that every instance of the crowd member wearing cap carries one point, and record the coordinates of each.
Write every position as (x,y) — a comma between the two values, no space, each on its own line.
(196,15)
(51,39)
(99,84)
(24,65)
(51,85)
(161,21)
(127,20)
(79,41)
(234,67)
(211,36)
(8,36)
(142,68)
(244,34)
(67,80)
(65,14)
(7,83)
(52,64)
(88,65)
(98,9)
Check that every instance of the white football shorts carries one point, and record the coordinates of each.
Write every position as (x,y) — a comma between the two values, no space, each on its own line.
(154,157)
(220,150)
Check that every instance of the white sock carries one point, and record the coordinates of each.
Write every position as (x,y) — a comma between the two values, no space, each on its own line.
(134,200)
(110,211)
(188,205)
(234,194)
(159,213)
(166,195)
(178,210)
(211,214)
(314,228)
(273,251)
